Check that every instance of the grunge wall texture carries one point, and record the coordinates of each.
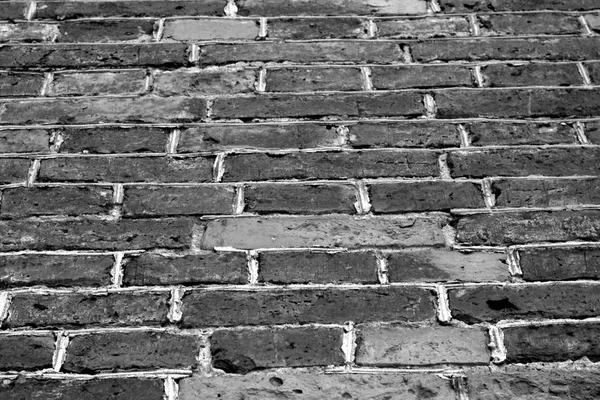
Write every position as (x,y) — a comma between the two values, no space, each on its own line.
(303,199)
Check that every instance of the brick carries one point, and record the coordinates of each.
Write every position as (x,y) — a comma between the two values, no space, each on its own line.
(556,264)
(98,83)
(20,84)
(194,82)
(106,31)
(24,141)
(102,110)
(319,231)
(210,29)
(136,350)
(549,49)
(317,267)
(26,352)
(593,21)
(87,310)
(357,52)
(516,5)
(552,343)
(151,269)
(258,136)
(423,27)
(295,384)
(300,199)
(242,351)
(495,303)
(270,8)
(564,102)
(141,201)
(317,28)
(527,227)
(94,55)
(55,270)
(428,134)
(592,131)
(302,306)
(529,24)
(387,346)
(421,76)
(13,10)
(126,169)
(546,192)
(59,389)
(311,79)
(502,75)
(70,200)
(28,32)
(103,140)
(593,69)
(519,133)
(95,234)
(405,196)
(330,165)
(436,265)
(13,170)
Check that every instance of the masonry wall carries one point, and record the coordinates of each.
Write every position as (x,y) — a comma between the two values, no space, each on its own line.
(310,199)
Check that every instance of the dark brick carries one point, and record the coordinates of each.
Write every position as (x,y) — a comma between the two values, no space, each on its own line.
(100,140)
(325,165)
(95,234)
(317,267)
(210,29)
(423,27)
(13,10)
(556,264)
(302,306)
(13,170)
(300,199)
(400,197)
(20,84)
(564,161)
(309,79)
(526,227)
(69,200)
(142,201)
(98,83)
(429,134)
(195,83)
(26,352)
(592,131)
(106,31)
(270,8)
(529,24)
(55,270)
(245,350)
(503,75)
(494,303)
(87,310)
(420,76)
(59,389)
(564,103)
(593,69)
(516,5)
(546,192)
(519,133)
(317,28)
(126,169)
(151,269)
(136,350)
(24,141)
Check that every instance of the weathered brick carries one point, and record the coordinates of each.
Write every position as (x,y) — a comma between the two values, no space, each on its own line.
(59,389)
(317,28)
(397,197)
(296,384)
(593,69)
(143,201)
(495,303)
(55,270)
(13,10)
(13,170)
(524,162)
(300,199)
(592,131)
(319,231)
(433,265)
(28,32)
(301,306)
(245,350)
(387,346)
(118,351)
(102,140)
(210,29)
(526,227)
(69,200)
(24,141)
(98,83)
(26,352)
(546,192)
(565,102)
(126,169)
(20,84)
(86,310)
(420,76)
(519,133)
(516,5)
(95,234)
(423,27)
(193,82)
(335,7)
(317,267)
(555,264)
(503,75)
(429,134)
(331,165)
(529,24)
(106,31)
(309,79)
(101,110)
(151,269)
(593,21)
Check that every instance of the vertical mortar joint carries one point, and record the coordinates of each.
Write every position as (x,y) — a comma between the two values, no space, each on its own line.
(514,262)
(585,76)
(459,384)
(56,140)
(261,80)
(173,141)
(349,343)
(382,268)
(407,57)
(475,30)
(477,76)
(194,53)
(48,79)
(443,305)
(175,301)
(371,29)
(363,203)
(219,167)
(231,9)
(434,6)
(60,351)
(5,300)
(580,132)
(263,31)
(584,25)
(463,136)
(253,266)
(449,233)
(445,172)
(31,9)
(343,135)
(488,195)
(430,106)
(33,171)
(159,28)
(366,77)
(204,356)
(239,203)
(171,389)
(116,272)
(496,345)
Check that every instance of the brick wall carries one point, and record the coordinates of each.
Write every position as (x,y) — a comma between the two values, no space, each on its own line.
(303,199)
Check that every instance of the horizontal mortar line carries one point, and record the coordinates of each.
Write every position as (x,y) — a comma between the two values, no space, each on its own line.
(89,290)
(502,210)
(68,252)
(566,244)
(159,373)
(88,331)
(334,250)
(547,322)
(369,370)
(571,366)
(522,284)
(489,249)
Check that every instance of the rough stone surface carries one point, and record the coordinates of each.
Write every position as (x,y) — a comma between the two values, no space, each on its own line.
(106,140)
(529,24)
(419,134)
(312,79)
(196,82)
(106,31)
(420,76)
(555,264)
(24,141)
(98,83)
(519,133)
(501,75)
(13,170)
(336,7)
(546,192)
(19,84)
(26,352)
(210,29)
(423,27)
(317,28)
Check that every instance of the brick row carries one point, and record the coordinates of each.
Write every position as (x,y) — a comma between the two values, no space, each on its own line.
(555,263)
(462,6)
